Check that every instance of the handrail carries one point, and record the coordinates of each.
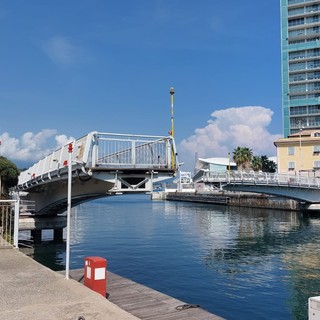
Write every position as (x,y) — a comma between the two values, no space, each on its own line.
(261,178)
(103,149)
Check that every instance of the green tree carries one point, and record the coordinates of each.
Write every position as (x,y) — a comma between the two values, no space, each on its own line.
(268,165)
(242,156)
(8,175)
(256,163)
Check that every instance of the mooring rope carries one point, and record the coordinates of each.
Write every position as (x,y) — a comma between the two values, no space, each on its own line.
(187,306)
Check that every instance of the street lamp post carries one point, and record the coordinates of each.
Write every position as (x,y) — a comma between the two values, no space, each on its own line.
(300,145)
(229,164)
(69,210)
(300,150)
(172,111)
(172,124)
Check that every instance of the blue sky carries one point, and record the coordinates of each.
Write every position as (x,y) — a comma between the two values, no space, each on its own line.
(70,67)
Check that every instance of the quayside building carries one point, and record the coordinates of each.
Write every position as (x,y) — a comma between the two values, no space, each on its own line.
(300,44)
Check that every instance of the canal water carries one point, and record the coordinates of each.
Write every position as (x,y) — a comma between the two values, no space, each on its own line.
(238,263)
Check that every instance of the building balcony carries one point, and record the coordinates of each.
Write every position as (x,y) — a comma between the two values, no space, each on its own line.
(301,3)
(315,36)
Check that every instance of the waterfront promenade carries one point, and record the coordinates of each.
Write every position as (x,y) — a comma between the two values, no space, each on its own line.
(30,290)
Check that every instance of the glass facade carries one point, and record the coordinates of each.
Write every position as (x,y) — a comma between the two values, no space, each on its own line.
(300,49)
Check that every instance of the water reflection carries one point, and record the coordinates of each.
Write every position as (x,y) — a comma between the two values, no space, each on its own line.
(49,254)
(239,263)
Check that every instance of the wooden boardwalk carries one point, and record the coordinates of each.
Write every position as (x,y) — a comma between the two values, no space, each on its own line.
(146,303)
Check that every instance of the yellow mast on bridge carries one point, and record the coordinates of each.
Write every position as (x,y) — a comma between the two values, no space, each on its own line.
(172,124)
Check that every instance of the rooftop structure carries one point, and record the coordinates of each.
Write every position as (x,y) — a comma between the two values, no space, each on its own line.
(213,164)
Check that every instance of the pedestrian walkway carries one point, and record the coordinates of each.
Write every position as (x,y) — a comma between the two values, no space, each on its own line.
(29,290)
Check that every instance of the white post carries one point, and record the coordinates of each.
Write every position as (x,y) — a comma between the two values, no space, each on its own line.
(133,153)
(300,152)
(94,151)
(16,221)
(69,210)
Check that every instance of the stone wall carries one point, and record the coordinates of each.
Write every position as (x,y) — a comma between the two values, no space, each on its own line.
(235,199)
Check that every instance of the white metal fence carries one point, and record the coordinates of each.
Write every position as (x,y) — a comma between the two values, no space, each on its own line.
(134,152)
(9,223)
(279,179)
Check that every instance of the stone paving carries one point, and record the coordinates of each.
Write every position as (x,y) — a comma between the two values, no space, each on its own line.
(29,290)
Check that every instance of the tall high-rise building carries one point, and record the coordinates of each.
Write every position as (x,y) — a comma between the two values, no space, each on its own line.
(300,44)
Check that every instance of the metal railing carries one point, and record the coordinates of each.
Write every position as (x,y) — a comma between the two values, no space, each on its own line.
(134,151)
(262,178)
(9,222)
(104,150)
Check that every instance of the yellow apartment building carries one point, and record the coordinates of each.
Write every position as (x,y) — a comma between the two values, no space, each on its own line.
(299,153)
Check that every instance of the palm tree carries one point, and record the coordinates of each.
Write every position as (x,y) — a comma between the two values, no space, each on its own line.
(268,165)
(242,156)
(238,157)
(256,163)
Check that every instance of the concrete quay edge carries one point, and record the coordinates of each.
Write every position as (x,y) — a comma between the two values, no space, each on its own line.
(30,290)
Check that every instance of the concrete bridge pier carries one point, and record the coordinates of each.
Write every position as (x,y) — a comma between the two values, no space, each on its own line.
(38,223)
(310,206)
(36,235)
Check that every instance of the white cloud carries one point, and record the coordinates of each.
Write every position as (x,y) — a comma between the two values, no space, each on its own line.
(63,52)
(31,147)
(62,140)
(230,128)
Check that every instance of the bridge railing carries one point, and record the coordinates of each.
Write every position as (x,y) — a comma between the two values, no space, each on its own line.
(134,151)
(284,179)
(104,150)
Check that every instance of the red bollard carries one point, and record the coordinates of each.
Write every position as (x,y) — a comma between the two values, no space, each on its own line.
(95,274)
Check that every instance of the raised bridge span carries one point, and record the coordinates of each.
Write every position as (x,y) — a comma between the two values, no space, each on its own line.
(303,188)
(102,164)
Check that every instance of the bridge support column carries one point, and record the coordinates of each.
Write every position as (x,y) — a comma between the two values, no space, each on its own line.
(36,235)
(38,223)
(58,235)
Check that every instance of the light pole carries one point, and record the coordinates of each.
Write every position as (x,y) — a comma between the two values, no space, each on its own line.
(69,210)
(300,150)
(300,145)
(172,111)
(172,123)
(229,165)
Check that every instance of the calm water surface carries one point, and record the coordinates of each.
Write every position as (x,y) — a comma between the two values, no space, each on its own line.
(236,263)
